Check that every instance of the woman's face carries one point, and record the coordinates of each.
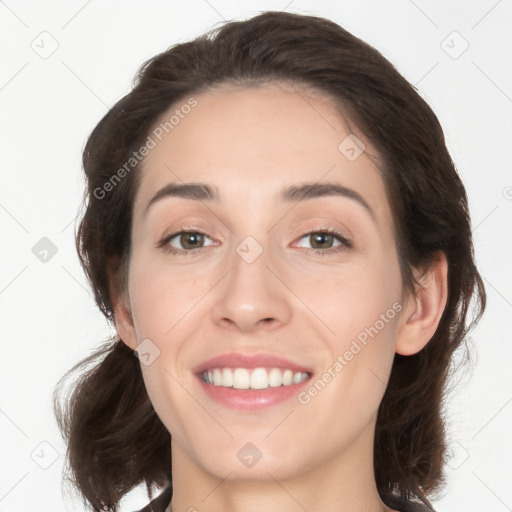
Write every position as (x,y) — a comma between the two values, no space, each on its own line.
(302,324)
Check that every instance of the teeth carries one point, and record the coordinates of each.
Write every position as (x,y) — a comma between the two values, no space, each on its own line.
(275,378)
(241,379)
(217,377)
(227,377)
(287,378)
(259,378)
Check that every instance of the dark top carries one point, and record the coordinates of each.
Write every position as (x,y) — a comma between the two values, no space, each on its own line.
(160,503)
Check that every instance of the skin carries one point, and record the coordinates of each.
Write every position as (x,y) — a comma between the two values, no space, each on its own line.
(290,301)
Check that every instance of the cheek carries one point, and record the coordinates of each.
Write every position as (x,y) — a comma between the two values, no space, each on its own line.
(162,303)
(160,296)
(361,308)
(349,299)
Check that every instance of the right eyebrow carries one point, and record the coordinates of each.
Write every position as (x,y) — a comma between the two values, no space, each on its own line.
(197,191)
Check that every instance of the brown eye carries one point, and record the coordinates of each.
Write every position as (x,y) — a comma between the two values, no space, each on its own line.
(191,240)
(324,242)
(185,242)
(321,240)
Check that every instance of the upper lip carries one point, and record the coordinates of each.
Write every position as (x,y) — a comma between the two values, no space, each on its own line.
(236,360)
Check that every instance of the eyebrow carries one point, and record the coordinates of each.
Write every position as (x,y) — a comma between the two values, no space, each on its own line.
(301,192)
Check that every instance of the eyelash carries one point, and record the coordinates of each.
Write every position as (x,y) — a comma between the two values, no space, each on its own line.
(345,243)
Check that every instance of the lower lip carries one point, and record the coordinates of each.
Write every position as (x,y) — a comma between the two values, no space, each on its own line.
(251,399)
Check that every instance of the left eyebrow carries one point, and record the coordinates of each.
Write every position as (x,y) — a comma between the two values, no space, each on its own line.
(311,190)
(301,192)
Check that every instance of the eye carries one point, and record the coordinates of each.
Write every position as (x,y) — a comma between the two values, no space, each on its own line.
(187,241)
(322,242)
(325,241)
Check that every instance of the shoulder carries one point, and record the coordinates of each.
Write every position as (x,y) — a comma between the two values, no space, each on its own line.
(160,503)
(401,504)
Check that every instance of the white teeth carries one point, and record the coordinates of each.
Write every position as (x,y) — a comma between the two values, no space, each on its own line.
(297,377)
(227,377)
(217,377)
(241,379)
(275,378)
(287,378)
(259,378)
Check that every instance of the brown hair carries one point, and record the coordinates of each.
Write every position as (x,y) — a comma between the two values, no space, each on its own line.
(115,439)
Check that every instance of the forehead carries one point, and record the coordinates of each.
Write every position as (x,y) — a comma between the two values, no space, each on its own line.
(254,142)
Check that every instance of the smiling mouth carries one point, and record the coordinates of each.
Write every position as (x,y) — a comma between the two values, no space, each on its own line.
(256,378)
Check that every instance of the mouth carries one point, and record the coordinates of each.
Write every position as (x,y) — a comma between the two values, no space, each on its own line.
(251,381)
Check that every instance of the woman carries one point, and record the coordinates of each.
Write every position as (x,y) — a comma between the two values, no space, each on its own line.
(275,227)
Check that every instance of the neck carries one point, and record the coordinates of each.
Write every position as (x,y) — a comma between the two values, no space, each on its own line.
(342,483)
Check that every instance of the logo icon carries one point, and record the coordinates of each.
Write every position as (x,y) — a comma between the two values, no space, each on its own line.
(44,250)
(44,455)
(45,45)
(351,147)
(147,352)
(249,249)
(249,455)
(457,455)
(454,45)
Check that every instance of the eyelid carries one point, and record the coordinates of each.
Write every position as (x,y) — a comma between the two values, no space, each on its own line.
(322,223)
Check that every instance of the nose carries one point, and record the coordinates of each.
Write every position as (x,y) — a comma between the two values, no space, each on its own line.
(252,296)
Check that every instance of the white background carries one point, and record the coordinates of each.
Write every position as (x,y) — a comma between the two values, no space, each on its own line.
(48,107)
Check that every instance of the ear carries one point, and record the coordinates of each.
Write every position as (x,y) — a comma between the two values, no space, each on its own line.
(424,309)
(123,319)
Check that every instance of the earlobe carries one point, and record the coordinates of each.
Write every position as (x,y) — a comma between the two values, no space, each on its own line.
(423,312)
(123,319)
(124,325)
